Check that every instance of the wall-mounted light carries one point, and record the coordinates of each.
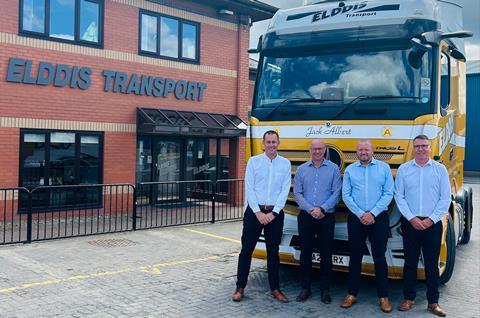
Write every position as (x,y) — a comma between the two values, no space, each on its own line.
(225,12)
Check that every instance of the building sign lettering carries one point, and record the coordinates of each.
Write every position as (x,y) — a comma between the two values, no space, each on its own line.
(63,75)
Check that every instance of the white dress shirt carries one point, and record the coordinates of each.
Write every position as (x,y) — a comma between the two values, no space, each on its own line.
(267,182)
(423,191)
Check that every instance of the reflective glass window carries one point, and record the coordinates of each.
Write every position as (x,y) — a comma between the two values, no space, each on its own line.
(149,33)
(89,21)
(189,41)
(34,15)
(169,37)
(62,19)
(79,21)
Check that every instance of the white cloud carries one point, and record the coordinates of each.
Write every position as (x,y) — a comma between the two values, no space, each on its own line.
(369,73)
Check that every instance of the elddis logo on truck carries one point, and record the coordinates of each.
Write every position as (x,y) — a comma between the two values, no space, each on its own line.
(352,10)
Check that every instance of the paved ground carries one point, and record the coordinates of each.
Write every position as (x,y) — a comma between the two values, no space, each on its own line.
(189,272)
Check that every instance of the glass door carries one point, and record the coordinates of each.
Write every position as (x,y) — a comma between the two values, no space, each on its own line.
(167,169)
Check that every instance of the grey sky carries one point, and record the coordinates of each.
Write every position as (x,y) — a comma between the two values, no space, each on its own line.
(471,18)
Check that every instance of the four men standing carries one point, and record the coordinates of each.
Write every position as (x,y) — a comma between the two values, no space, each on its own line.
(422,194)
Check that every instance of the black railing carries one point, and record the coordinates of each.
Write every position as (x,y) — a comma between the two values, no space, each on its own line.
(52,212)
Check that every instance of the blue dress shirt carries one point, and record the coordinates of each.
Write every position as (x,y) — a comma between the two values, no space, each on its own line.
(423,191)
(367,188)
(317,187)
(267,182)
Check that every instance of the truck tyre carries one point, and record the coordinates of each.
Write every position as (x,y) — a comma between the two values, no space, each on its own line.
(467,216)
(450,259)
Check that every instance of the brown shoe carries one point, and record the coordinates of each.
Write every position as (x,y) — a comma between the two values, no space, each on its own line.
(348,301)
(406,305)
(238,294)
(385,305)
(278,295)
(436,310)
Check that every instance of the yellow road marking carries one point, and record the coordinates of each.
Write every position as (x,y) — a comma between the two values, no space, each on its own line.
(213,235)
(153,269)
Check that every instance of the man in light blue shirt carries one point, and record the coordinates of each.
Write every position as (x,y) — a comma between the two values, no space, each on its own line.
(367,191)
(317,188)
(423,196)
(267,183)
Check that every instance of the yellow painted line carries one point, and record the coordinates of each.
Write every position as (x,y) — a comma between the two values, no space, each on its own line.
(214,235)
(152,269)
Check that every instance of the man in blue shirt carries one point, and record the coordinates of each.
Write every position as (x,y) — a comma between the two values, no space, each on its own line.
(268,178)
(367,191)
(423,196)
(317,188)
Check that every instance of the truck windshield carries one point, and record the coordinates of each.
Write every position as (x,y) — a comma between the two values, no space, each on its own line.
(390,84)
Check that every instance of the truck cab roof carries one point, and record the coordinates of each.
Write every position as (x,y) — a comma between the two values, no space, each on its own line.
(362,20)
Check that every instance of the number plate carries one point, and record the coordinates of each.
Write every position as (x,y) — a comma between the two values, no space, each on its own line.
(341,260)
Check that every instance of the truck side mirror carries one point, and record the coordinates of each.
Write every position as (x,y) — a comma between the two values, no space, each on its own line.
(457,34)
(259,46)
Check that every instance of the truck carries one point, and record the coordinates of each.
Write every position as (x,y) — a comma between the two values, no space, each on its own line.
(382,70)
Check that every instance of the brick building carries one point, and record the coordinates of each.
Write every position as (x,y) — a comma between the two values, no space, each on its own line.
(123,91)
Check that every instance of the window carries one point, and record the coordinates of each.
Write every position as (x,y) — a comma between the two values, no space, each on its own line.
(444,82)
(61,158)
(168,37)
(78,21)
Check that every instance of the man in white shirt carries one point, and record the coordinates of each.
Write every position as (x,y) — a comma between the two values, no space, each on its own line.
(267,183)
(423,196)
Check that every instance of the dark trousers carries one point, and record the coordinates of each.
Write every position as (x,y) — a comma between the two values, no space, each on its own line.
(314,231)
(428,242)
(377,234)
(252,229)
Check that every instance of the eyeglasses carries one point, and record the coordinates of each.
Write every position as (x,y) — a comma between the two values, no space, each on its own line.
(421,146)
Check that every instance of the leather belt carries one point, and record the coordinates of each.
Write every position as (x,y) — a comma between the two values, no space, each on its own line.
(265,207)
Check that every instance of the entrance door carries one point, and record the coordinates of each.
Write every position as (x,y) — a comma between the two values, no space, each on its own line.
(167,169)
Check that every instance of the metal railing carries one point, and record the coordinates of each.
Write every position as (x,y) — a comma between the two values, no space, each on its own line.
(52,212)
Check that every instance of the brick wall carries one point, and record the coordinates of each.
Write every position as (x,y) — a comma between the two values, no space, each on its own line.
(223,50)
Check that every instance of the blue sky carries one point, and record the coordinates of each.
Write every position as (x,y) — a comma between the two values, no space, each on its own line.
(471,18)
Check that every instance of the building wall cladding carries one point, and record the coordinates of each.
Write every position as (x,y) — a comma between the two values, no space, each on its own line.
(472,148)
(223,66)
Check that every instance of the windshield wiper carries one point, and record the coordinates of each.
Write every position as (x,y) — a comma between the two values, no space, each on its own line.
(361,98)
(299,100)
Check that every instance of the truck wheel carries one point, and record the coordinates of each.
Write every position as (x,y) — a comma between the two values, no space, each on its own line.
(450,258)
(467,217)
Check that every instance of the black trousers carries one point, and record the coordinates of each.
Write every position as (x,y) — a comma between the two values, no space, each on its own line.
(321,232)
(377,234)
(428,242)
(252,229)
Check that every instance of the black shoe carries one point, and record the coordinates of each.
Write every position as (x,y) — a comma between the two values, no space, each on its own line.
(304,295)
(325,296)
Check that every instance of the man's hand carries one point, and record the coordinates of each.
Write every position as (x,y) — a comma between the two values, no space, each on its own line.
(262,217)
(418,224)
(367,218)
(427,223)
(317,213)
(270,217)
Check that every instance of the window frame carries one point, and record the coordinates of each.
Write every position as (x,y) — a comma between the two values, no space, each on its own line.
(78,135)
(46,33)
(181,22)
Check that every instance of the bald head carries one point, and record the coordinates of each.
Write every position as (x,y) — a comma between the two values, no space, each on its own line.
(364,151)
(317,143)
(317,151)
